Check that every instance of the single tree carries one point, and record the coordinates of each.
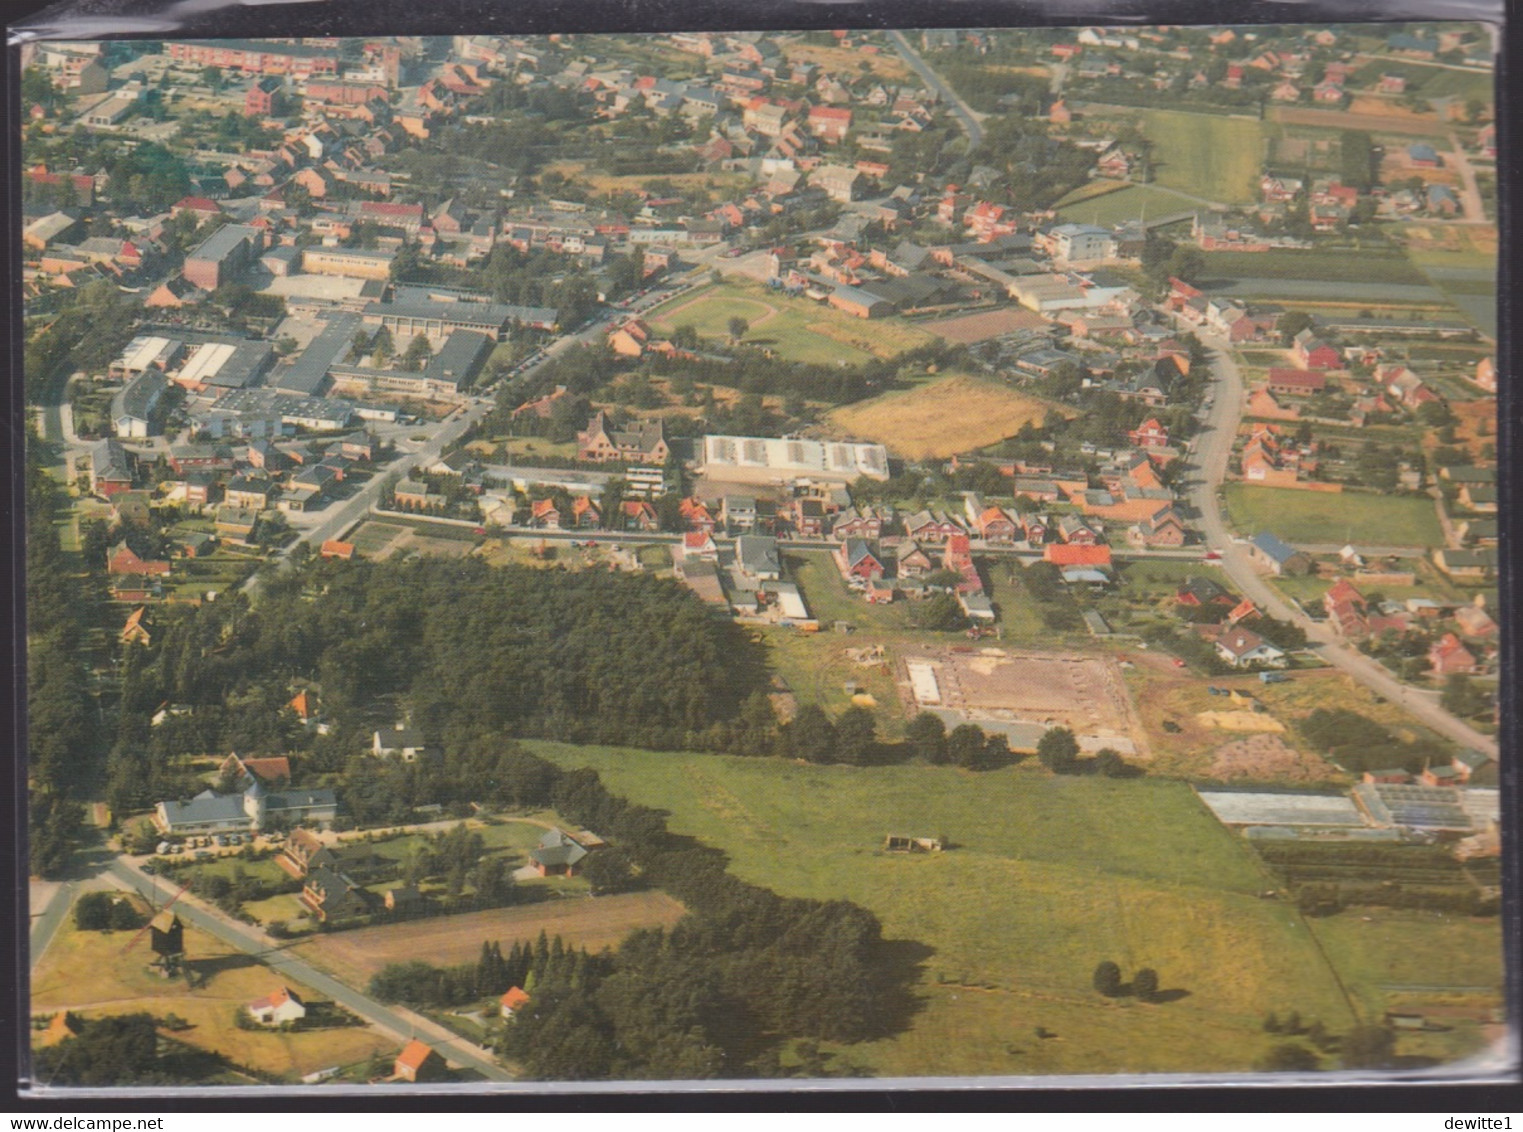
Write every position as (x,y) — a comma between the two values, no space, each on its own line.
(1058,750)
(965,746)
(1107,979)
(418,353)
(856,734)
(1289,1057)
(1145,983)
(738,328)
(811,736)
(927,736)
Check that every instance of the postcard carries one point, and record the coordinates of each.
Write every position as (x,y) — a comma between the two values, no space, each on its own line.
(946,555)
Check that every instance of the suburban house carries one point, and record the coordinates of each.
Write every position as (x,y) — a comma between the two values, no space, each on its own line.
(1243,648)
(328,894)
(1448,656)
(1347,610)
(1467,565)
(512,1001)
(1162,528)
(758,557)
(420,1063)
(557,854)
(124,560)
(250,811)
(277,1009)
(401,741)
(1196,591)
(856,559)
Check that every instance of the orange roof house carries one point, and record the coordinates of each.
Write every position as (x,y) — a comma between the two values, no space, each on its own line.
(304,704)
(136,631)
(514,1000)
(419,1062)
(333,548)
(1075,554)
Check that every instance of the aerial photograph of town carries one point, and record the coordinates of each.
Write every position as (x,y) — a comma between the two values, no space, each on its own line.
(767,556)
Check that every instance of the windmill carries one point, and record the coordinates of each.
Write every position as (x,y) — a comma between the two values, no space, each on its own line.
(168,937)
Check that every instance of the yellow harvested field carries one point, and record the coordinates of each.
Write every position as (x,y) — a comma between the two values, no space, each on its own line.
(94,974)
(444,940)
(958,413)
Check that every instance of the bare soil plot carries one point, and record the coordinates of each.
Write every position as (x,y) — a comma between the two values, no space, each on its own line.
(1266,758)
(983,325)
(1083,693)
(445,940)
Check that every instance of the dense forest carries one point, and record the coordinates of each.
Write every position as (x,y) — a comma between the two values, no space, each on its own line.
(469,652)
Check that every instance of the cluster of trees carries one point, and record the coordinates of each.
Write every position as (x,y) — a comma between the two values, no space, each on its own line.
(1058,751)
(527,965)
(1107,980)
(105,911)
(967,745)
(1358,743)
(90,331)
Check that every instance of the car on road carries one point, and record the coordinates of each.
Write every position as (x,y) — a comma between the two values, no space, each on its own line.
(1212,556)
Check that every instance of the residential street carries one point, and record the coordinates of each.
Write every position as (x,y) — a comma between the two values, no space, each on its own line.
(966,117)
(1212,450)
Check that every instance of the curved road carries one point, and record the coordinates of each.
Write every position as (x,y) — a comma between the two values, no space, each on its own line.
(966,117)
(1212,449)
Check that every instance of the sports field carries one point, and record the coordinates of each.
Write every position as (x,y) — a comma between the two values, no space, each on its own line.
(797,328)
(957,413)
(1316,517)
(95,974)
(1047,877)
(1207,155)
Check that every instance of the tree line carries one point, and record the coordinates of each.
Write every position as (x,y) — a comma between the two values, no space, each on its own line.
(714,996)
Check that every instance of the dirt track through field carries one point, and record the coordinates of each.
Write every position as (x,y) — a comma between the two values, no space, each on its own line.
(447,940)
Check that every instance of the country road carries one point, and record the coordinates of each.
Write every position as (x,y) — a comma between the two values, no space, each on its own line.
(966,116)
(401,1023)
(1212,450)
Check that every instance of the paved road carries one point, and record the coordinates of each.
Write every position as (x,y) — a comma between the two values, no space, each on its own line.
(1212,449)
(966,116)
(400,1023)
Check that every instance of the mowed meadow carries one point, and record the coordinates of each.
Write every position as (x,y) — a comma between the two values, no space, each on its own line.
(945,416)
(1047,877)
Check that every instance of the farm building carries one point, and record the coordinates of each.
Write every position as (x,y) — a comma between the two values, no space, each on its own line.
(1278,556)
(419,1063)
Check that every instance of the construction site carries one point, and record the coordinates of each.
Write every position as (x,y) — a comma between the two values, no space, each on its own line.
(995,686)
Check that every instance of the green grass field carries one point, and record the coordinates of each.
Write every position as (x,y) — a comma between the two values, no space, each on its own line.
(1129,202)
(798,329)
(1325,517)
(1332,267)
(1207,155)
(1047,877)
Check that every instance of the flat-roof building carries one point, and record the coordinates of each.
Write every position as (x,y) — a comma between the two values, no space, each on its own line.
(752,459)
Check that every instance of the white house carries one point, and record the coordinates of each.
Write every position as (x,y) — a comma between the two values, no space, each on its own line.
(282,1006)
(1243,648)
(400,742)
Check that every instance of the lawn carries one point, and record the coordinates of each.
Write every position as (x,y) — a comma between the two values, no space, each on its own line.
(798,329)
(816,669)
(94,974)
(1126,202)
(1326,517)
(827,597)
(1207,155)
(1047,877)
(956,413)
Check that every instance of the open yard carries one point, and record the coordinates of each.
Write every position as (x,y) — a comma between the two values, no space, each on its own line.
(93,973)
(958,413)
(797,328)
(1047,876)
(1208,155)
(444,940)
(983,325)
(378,540)
(1314,517)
